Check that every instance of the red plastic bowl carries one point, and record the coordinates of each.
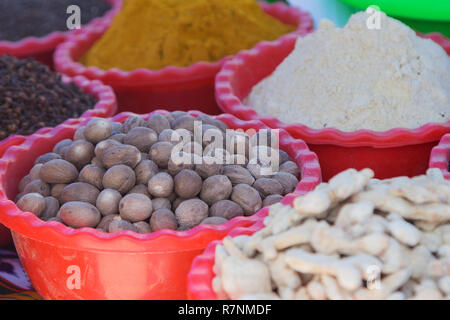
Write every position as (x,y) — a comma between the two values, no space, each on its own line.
(172,88)
(392,153)
(42,49)
(440,156)
(201,275)
(124,265)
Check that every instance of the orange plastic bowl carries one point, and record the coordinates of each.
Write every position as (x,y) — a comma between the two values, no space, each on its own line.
(172,88)
(124,265)
(440,156)
(396,152)
(42,49)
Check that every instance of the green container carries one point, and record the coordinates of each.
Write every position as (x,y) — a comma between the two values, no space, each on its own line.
(421,15)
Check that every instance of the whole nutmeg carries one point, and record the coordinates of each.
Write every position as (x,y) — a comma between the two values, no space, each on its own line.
(143,227)
(97,130)
(145,170)
(177,202)
(238,175)
(97,162)
(265,137)
(121,155)
(213,137)
(287,180)
(176,114)
(120,177)
(56,190)
(283,156)
(106,220)
(260,168)
(135,207)
(38,186)
(161,185)
(216,188)
(141,189)
(290,167)
(23,182)
(133,122)
(93,175)
(169,135)
(118,224)
(80,153)
(34,172)
(183,136)
(117,128)
(226,209)
(184,122)
(221,155)
(214,221)
(79,134)
(169,118)
(193,148)
(47,157)
(272,199)
(57,219)
(191,213)
(158,123)
(188,184)
(209,167)
(79,191)
(32,202)
(108,202)
(247,197)
(119,137)
(141,138)
(238,143)
(58,171)
(61,146)
(104,145)
(267,187)
(161,203)
(182,160)
(206,119)
(160,153)
(78,214)
(51,208)
(163,219)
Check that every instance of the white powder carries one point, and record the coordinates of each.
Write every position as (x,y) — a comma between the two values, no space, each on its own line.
(355,78)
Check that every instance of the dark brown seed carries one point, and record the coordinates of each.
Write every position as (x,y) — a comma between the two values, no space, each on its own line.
(216,188)
(51,208)
(214,221)
(287,180)
(80,214)
(47,157)
(160,153)
(158,123)
(80,153)
(184,122)
(141,138)
(32,202)
(290,167)
(267,187)
(79,191)
(93,175)
(143,227)
(191,213)
(97,130)
(38,186)
(209,167)
(133,122)
(121,178)
(161,203)
(247,197)
(145,170)
(135,207)
(226,209)
(121,155)
(161,185)
(108,202)
(188,184)
(238,174)
(58,171)
(163,219)
(118,224)
(272,199)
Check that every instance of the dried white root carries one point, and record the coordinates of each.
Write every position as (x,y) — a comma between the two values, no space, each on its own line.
(352,238)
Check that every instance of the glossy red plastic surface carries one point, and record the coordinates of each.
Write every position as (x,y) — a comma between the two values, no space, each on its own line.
(440,156)
(42,49)
(124,265)
(171,88)
(105,107)
(392,153)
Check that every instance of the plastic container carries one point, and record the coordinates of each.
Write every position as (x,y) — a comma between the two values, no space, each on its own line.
(392,153)
(440,156)
(172,88)
(418,14)
(42,48)
(123,265)
(201,275)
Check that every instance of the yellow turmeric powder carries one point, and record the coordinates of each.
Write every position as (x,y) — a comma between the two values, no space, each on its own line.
(154,34)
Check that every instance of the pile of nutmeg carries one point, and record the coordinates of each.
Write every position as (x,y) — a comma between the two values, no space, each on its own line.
(173,171)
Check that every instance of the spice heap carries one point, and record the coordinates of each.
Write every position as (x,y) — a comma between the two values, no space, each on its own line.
(173,171)
(37,18)
(154,34)
(33,97)
(352,238)
(355,78)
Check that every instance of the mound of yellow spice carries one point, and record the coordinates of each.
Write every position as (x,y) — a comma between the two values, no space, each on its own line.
(154,34)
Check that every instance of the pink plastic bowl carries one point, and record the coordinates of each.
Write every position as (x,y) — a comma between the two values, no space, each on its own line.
(106,106)
(124,265)
(42,48)
(440,156)
(172,88)
(392,153)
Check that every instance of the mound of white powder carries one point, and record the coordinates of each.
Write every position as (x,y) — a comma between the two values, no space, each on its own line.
(354,78)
